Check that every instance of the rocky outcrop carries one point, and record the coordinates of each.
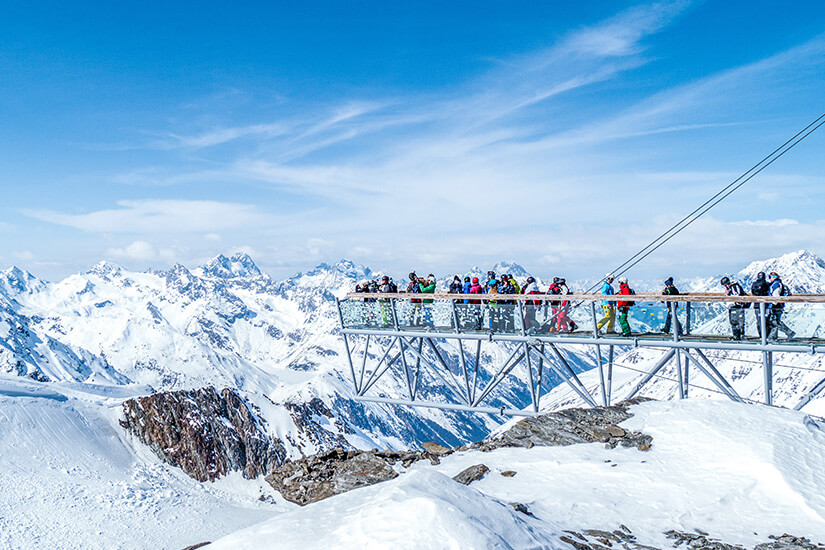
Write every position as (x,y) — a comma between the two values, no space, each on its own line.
(205,433)
(599,539)
(321,476)
(569,427)
(305,417)
(473,473)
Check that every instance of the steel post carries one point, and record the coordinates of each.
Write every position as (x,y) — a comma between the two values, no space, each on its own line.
(767,356)
(736,396)
(571,372)
(816,390)
(584,394)
(732,395)
(598,353)
(656,368)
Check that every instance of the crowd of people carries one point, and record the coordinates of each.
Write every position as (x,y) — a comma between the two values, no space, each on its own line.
(557,319)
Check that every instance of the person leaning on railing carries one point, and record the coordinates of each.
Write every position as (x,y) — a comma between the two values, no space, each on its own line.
(760,287)
(624,306)
(671,290)
(736,310)
(609,307)
(778,288)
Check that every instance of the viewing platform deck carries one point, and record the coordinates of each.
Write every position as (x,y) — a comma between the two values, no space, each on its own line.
(537,326)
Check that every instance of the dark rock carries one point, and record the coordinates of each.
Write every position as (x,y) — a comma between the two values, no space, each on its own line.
(602,535)
(615,431)
(569,427)
(508,473)
(473,473)
(321,476)
(575,544)
(205,433)
(519,507)
(436,449)
(196,546)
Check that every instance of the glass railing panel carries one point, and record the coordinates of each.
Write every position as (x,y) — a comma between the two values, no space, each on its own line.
(367,314)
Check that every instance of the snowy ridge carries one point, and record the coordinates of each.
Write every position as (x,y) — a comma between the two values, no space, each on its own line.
(736,472)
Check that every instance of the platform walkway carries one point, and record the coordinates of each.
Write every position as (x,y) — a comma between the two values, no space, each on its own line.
(431,330)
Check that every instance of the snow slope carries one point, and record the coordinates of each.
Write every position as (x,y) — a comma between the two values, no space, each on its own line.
(737,472)
(70,478)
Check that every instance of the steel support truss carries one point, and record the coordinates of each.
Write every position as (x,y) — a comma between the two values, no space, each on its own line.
(455,365)
(452,359)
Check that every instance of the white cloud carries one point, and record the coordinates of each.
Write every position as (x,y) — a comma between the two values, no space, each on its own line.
(24,255)
(143,251)
(158,216)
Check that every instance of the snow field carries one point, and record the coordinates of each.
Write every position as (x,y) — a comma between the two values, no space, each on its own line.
(71,479)
(738,472)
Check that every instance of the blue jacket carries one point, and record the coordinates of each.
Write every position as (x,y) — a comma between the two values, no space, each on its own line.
(607,290)
(776,290)
(466,290)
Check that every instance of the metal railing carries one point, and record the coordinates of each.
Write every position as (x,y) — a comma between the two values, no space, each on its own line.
(538,325)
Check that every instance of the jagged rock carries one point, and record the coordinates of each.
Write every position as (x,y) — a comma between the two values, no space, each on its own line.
(598,539)
(322,476)
(519,507)
(569,427)
(508,473)
(615,431)
(473,473)
(304,416)
(436,449)
(788,542)
(203,432)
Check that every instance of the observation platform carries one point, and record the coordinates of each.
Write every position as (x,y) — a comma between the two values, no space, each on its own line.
(431,330)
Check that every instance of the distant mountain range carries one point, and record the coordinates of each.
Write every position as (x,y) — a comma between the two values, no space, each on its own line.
(227,324)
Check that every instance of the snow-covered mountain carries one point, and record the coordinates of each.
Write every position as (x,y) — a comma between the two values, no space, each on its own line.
(224,324)
(72,351)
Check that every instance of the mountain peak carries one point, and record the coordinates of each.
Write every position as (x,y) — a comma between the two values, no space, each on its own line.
(239,265)
(105,269)
(803,271)
(15,280)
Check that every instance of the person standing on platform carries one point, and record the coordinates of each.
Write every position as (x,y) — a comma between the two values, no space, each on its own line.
(736,311)
(608,307)
(624,306)
(428,287)
(671,290)
(456,287)
(778,288)
(760,287)
(530,323)
(477,312)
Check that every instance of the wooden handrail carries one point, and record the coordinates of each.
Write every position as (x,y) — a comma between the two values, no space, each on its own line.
(641,297)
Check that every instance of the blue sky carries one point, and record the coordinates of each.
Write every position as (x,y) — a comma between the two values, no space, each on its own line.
(407,136)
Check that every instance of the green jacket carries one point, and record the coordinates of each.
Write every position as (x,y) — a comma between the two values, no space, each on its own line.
(428,288)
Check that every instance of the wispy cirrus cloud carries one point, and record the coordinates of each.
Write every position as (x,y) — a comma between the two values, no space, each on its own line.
(158,216)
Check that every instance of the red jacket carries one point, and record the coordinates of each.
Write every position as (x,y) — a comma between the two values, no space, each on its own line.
(624,290)
(476,289)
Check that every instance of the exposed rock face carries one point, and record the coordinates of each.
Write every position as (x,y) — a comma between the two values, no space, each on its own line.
(323,475)
(205,433)
(473,473)
(598,539)
(315,478)
(569,427)
(304,416)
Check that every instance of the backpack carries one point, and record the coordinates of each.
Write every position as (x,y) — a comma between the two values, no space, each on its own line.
(785,290)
